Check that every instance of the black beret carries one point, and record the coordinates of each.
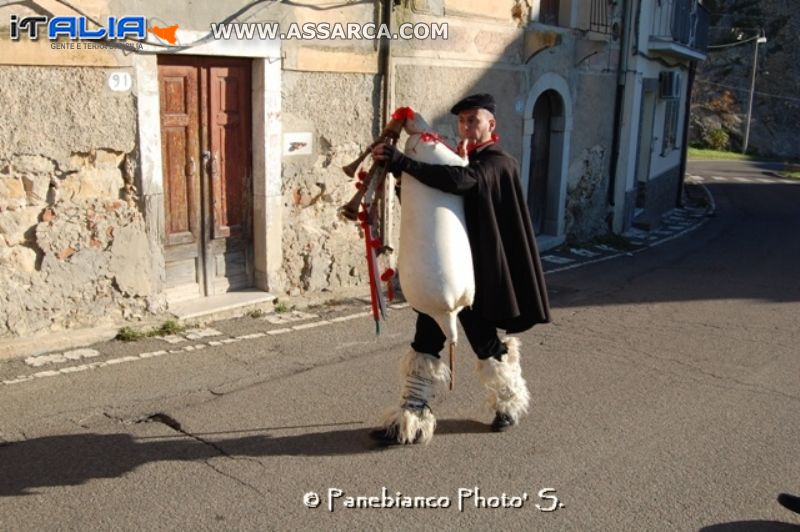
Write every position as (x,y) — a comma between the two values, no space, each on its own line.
(483,101)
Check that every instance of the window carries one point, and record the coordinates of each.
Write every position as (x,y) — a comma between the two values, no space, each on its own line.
(548,12)
(671,116)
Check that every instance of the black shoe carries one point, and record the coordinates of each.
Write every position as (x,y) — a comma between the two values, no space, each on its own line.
(502,422)
(790,502)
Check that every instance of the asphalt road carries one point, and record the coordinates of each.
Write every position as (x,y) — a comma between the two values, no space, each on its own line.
(665,397)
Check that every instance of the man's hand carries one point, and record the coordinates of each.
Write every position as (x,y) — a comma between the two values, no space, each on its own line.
(462,148)
(383,152)
(387,153)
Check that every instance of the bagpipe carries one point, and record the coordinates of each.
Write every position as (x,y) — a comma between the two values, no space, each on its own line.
(435,260)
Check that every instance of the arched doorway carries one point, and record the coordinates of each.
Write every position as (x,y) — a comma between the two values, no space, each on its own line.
(544,173)
(545,156)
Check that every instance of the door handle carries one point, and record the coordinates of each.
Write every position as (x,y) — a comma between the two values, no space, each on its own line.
(207,162)
(190,167)
(214,165)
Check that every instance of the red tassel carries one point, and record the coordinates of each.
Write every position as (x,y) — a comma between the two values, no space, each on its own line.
(403,113)
(362,175)
(386,277)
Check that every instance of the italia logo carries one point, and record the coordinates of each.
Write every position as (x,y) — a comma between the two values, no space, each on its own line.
(78,28)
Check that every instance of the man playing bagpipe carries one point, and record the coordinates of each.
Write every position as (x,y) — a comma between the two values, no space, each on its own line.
(510,292)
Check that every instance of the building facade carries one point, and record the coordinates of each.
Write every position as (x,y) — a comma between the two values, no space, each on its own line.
(159,174)
(662,41)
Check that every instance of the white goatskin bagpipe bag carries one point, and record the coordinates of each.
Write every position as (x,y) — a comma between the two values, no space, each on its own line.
(435,261)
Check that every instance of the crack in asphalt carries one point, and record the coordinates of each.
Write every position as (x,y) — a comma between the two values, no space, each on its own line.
(171,422)
(234,478)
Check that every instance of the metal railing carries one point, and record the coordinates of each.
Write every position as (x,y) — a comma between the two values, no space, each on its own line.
(683,21)
(599,20)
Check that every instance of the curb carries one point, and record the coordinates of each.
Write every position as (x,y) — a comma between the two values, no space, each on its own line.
(692,218)
(18,348)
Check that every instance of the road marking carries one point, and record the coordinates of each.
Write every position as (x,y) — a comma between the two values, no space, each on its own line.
(583,253)
(557,260)
(199,334)
(604,247)
(251,336)
(289,317)
(59,358)
(311,325)
(353,316)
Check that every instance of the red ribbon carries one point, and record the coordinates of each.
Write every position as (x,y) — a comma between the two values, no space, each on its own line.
(471,149)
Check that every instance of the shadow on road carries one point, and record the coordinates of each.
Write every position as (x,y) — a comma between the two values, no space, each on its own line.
(69,460)
(752,526)
(790,502)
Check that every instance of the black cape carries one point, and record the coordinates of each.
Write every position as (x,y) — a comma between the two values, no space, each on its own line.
(509,280)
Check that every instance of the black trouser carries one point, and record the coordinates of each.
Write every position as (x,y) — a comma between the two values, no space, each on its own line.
(481,334)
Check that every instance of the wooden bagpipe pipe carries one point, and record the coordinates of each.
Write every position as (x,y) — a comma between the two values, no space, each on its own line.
(435,260)
(364,207)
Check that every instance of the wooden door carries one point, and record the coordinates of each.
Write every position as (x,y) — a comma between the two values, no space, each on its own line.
(231,183)
(206,138)
(540,161)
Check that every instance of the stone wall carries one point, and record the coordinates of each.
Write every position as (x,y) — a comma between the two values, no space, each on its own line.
(73,249)
(320,250)
(587,209)
(587,204)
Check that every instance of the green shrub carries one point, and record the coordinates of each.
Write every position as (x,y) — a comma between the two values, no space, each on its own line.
(127,334)
(717,139)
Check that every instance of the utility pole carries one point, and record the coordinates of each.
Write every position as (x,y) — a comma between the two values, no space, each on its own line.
(760,40)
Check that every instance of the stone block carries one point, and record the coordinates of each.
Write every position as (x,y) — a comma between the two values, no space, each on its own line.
(12,193)
(19,226)
(90,183)
(36,187)
(22,259)
(33,164)
(107,160)
(130,261)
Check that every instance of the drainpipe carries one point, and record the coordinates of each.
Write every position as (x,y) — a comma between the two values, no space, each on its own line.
(685,145)
(387,82)
(384,56)
(622,70)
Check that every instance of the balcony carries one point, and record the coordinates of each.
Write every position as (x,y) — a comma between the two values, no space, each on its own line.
(599,19)
(680,29)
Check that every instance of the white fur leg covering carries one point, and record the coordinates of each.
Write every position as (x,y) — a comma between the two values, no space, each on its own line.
(508,391)
(413,421)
